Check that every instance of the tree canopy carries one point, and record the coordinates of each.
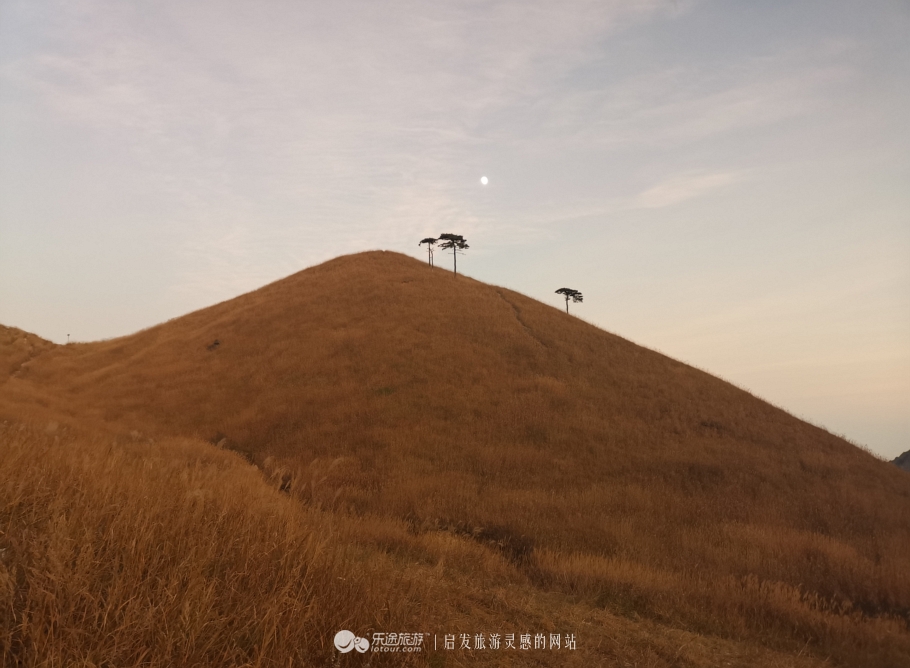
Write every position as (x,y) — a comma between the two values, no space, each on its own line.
(430,242)
(569,293)
(456,242)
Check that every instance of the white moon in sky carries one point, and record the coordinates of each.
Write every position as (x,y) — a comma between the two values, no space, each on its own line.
(484,180)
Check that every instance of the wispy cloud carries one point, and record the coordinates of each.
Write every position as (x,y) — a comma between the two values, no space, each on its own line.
(361,116)
(683,187)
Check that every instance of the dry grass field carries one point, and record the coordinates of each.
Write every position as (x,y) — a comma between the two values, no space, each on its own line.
(376,445)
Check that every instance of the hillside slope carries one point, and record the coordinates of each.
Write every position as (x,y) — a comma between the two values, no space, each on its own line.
(373,385)
(18,348)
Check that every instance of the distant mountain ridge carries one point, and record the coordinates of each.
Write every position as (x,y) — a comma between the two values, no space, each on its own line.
(903,461)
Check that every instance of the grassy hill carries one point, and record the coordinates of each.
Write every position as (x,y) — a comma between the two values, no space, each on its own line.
(506,465)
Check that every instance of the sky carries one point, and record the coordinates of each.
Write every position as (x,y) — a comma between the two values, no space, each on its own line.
(727,182)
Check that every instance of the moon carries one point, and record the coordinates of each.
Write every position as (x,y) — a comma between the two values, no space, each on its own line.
(484,180)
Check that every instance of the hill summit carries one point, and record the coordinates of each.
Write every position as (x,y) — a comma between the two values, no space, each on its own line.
(374,386)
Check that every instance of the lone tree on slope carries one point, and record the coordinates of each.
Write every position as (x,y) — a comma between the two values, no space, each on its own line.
(569,293)
(454,241)
(430,242)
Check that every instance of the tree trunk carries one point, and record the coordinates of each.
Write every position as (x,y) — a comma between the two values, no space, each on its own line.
(567,304)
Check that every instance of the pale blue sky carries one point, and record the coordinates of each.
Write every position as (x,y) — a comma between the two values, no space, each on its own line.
(726,182)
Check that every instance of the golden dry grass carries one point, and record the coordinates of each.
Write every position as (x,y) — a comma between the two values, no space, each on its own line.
(530,465)
(178,554)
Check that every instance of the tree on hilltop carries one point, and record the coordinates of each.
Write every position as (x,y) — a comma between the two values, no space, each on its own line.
(430,242)
(569,293)
(454,241)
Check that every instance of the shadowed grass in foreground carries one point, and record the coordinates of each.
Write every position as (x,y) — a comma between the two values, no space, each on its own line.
(177,553)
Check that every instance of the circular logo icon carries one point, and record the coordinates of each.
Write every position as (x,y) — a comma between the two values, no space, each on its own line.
(345,641)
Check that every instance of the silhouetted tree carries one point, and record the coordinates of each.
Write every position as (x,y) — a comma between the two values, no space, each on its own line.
(569,293)
(454,241)
(430,242)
